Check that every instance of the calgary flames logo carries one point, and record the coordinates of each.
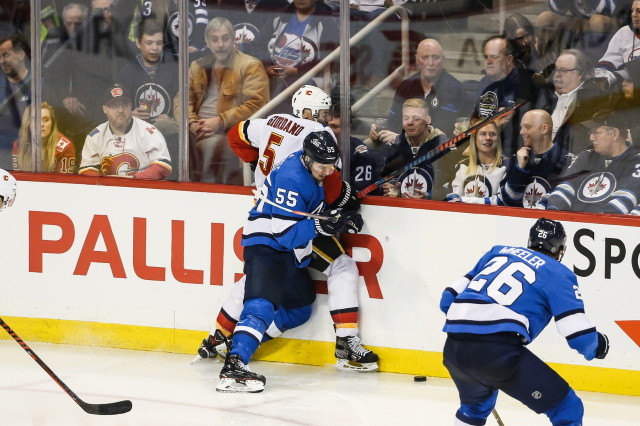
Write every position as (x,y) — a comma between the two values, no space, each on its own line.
(125,164)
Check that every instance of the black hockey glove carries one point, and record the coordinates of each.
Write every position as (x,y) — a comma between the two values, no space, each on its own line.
(347,199)
(354,222)
(253,165)
(603,346)
(336,224)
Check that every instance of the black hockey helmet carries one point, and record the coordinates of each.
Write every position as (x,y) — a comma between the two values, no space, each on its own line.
(321,147)
(548,236)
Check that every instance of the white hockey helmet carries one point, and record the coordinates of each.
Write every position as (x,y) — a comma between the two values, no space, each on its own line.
(8,187)
(310,97)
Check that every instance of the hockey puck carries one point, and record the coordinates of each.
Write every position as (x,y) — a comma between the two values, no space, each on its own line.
(419,378)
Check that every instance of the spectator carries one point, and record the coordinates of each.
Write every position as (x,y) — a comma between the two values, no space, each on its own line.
(165,13)
(58,151)
(73,17)
(502,87)
(15,93)
(520,31)
(622,46)
(152,79)
(303,35)
(534,171)
(225,88)
(417,138)
(124,145)
(441,91)
(363,170)
(479,177)
(603,179)
(626,101)
(572,99)
(76,76)
(248,18)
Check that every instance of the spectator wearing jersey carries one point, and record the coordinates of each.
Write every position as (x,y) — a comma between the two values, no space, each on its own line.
(418,137)
(225,87)
(152,79)
(58,153)
(602,179)
(294,42)
(15,93)
(533,172)
(363,170)
(503,86)
(124,146)
(571,98)
(479,176)
(443,92)
(623,47)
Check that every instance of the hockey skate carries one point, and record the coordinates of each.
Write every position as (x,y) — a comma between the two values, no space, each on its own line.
(352,356)
(214,345)
(237,377)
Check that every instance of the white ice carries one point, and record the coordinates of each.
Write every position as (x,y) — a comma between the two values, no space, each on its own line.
(166,389)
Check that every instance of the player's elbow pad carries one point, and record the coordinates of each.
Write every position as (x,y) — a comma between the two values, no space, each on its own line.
(448,296)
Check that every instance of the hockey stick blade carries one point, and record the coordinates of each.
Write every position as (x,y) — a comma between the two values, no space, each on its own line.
(441,149)
(119,407)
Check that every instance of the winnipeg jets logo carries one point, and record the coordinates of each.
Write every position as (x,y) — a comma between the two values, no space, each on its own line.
(174,24)
(416,179)
(534,192)
(156,97)
(477,186)
(245,33)
(291,50)
(597,187)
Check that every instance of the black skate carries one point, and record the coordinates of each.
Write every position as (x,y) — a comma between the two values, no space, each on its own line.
(237,377)
(214,345)
(352,356)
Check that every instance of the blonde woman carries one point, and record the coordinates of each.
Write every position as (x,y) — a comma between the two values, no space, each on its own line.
(58,151)
(478,177)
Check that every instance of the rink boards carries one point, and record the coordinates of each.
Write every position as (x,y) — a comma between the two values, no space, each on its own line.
(147,266)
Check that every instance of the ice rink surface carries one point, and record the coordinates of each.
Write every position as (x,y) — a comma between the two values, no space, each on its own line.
(166,389)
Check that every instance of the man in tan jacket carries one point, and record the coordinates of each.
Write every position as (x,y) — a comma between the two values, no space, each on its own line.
(225,88)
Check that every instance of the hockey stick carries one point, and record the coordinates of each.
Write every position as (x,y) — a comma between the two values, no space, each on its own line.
(497,417)
(262,197)
(442,149)
(119,407)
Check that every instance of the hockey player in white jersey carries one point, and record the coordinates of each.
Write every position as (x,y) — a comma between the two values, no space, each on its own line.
(266,143)
(124,145)
(500,306)
(8,187)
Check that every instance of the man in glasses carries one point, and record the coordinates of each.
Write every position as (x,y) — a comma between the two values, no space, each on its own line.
(606,178)
(572,98)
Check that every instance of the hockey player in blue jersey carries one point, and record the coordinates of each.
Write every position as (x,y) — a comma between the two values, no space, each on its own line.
(499,307)
(277,248)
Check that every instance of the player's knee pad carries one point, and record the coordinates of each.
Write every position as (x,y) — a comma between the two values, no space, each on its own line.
(568,412)
(287,319)
(342,283)
(476,414)
(257,314)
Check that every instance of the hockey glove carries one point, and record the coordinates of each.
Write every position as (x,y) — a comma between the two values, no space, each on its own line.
(347,199)
(603,346)
(354,222)
(336,224)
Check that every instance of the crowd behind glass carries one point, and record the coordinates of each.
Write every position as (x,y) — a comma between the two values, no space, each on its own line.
(111,101)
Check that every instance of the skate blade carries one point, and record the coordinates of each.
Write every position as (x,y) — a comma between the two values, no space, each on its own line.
(234,386)
(346,365)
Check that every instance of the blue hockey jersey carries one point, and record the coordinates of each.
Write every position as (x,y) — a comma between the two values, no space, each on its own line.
(515,289)
(291,186)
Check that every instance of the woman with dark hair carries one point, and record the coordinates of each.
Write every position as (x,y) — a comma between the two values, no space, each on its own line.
(522,34)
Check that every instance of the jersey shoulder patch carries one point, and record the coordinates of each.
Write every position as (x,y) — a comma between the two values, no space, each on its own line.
(94,132)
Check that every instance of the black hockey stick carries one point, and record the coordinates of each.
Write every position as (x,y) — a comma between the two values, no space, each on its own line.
(119,407)
(442,149)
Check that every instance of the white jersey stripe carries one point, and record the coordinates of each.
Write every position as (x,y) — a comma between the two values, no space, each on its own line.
(573,324)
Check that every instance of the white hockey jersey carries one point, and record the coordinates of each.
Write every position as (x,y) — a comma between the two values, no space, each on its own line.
(109,155)
(479,188)
(623,47)
(275,138)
